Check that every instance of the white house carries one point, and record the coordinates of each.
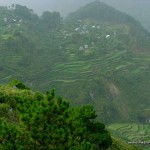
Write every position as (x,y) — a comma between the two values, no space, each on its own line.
(76,29)
(107,36)
(81,48)
(79,20)
(86,46)
(5,19)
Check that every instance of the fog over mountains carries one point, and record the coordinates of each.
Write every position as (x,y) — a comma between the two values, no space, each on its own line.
(97,56)
(67,6)
(139,9)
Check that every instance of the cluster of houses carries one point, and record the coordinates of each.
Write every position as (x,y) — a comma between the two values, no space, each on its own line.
(12,21)
(84,29)
(83,47)
(90,34)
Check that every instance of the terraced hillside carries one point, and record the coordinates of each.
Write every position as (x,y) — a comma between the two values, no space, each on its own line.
(101,77)
(131,133)
(100,61)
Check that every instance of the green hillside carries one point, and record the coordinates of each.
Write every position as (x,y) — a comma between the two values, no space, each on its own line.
(33,120)
(135,134)
(102,13)
(135,9)
(96,56)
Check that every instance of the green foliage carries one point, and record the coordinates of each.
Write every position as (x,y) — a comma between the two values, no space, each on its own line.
(100,11)
(33,121)
(131,132)
(51,19)
(24,13)
(38,96)
(48,52)
(18,84)
(121,145)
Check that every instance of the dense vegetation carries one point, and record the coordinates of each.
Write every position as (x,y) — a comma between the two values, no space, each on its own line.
(32,120)
(135,9)
(43,121)
(101,13)
(101,59)
(47,52)
(132,132)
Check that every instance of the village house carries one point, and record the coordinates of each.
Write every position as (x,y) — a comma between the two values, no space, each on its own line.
(5,19)
(86,46)
(81,48)
(107,36)
(76,29)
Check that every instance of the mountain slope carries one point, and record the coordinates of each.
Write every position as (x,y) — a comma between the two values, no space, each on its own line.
(100,59)
(30,120)
(100,12)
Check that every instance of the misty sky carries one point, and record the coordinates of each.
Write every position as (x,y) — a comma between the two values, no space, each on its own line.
(66,6)
(139,9)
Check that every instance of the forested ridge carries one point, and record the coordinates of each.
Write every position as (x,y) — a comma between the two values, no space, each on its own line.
(96,56)
(33,120)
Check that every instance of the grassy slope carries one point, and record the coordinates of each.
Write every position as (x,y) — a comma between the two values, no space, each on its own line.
(132,132)
(135,9)
(11,92)
(104,75)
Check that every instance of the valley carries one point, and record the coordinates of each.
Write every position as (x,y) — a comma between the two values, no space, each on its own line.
(88,58)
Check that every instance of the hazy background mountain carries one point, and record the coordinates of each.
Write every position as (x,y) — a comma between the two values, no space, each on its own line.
(66,52)
(97,55)
(139,9)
